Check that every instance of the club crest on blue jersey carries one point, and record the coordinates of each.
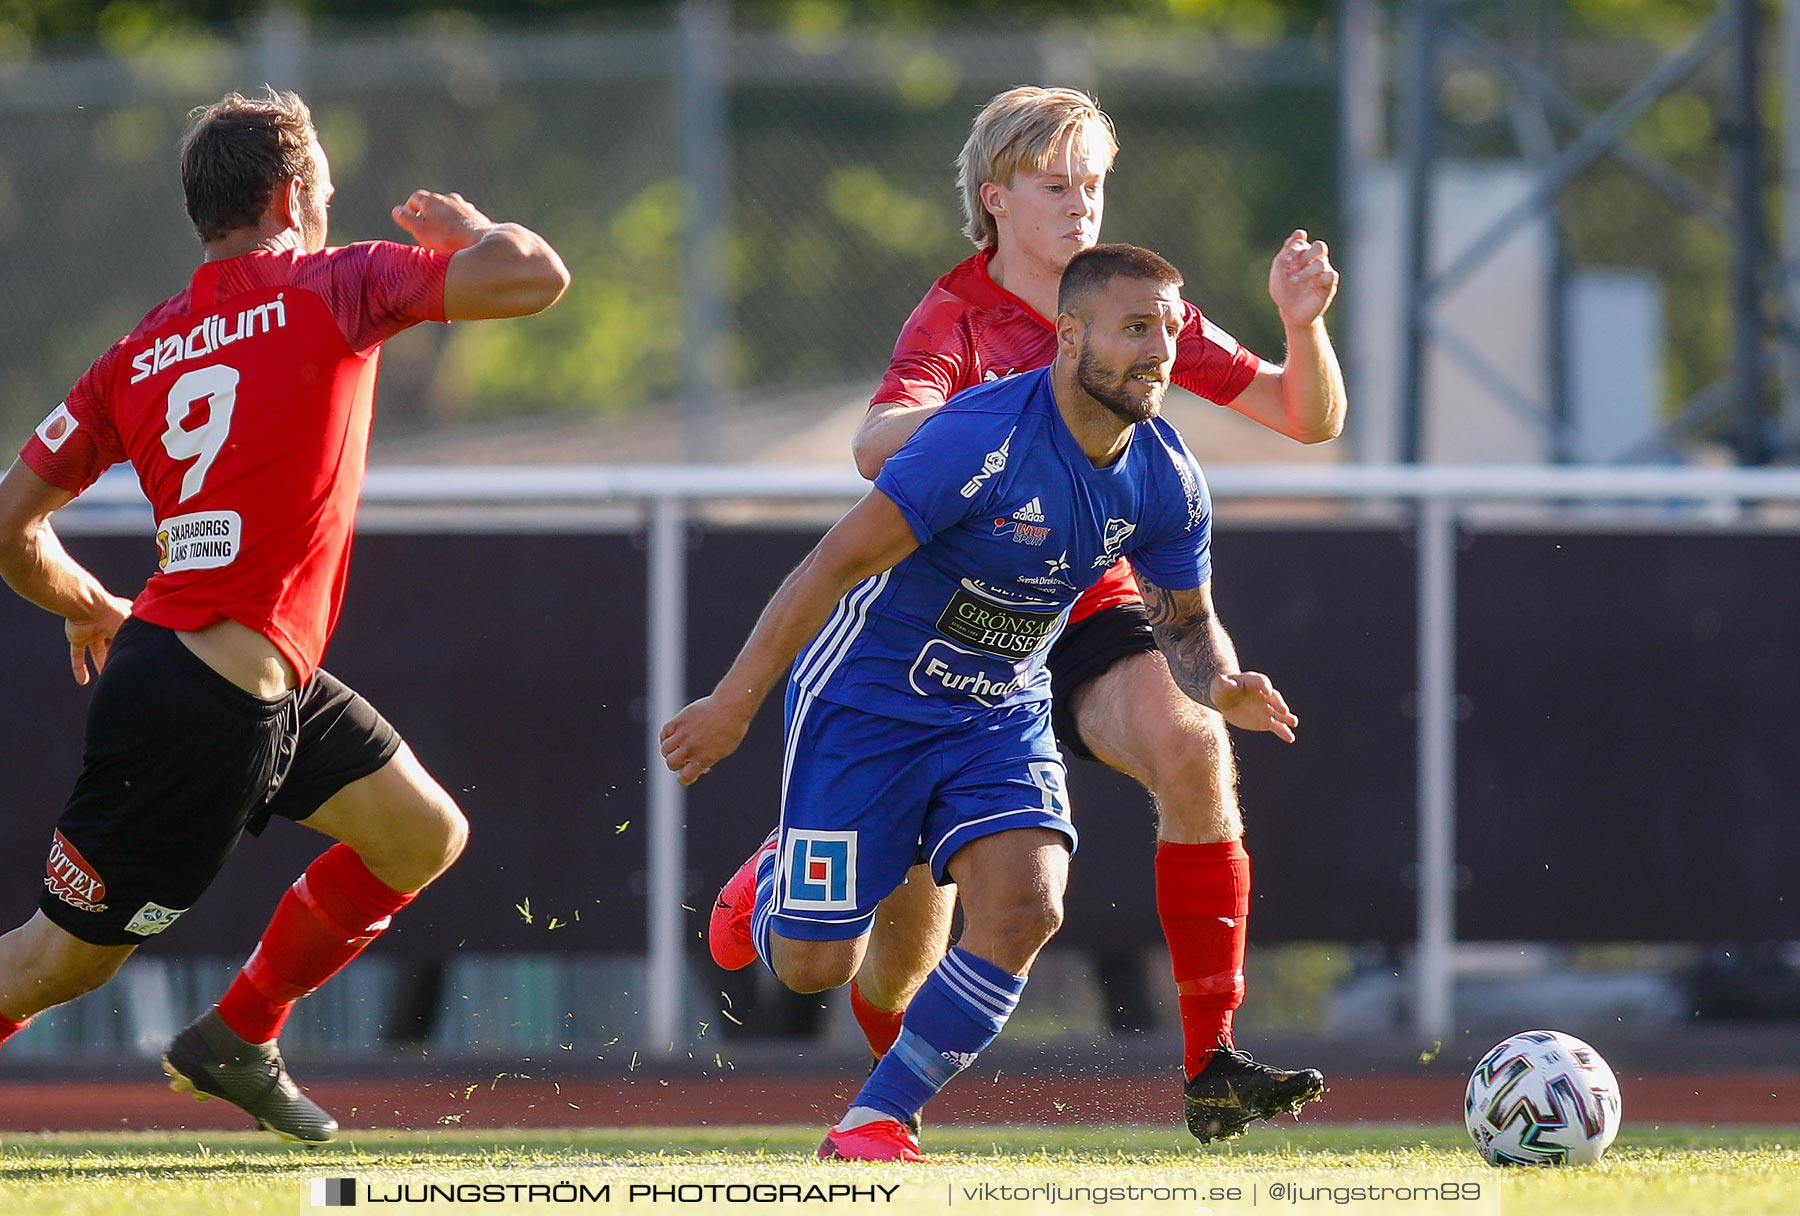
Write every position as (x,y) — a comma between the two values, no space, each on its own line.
(1114,536)
(820,869)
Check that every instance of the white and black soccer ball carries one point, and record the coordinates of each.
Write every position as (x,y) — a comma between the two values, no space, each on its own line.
(1542,1098)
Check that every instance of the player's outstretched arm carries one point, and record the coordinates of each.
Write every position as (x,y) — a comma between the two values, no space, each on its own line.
(1303,398)
(499,270)
(34,563)
(872,537)
(1205,665)
(886,427)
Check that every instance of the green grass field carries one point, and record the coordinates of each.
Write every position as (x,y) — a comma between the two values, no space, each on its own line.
(1718,1172)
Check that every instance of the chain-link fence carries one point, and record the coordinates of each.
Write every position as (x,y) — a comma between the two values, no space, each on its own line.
(750,213)
(835,204)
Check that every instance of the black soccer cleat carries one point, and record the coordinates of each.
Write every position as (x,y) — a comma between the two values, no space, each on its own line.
(1233,1090)
(209,1061)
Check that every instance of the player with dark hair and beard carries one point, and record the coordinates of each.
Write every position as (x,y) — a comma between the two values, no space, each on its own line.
(918,707)
(1032,177)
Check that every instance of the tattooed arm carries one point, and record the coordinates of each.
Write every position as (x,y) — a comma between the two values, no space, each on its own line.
(1205,665)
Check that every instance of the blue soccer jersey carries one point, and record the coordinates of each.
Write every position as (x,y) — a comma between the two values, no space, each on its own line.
(1013,521)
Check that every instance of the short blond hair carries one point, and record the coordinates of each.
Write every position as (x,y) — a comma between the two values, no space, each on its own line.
(1020,130)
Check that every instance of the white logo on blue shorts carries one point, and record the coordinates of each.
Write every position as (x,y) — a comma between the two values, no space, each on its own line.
(820,868)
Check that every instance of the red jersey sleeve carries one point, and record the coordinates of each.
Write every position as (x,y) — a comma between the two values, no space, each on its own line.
(375,289)
(931,359)
(78,441)
(1210,362)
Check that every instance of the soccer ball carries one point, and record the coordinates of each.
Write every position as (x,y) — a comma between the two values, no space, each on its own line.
(1542,1098)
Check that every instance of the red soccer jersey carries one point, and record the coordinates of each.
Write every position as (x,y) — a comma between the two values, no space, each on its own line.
(244,405)
(969,329)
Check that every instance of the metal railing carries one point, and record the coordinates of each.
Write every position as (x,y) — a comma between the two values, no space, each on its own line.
(1440,496)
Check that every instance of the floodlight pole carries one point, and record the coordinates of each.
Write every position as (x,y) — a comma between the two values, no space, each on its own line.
(704,30)
(1789,284)
(1433,971)
(1750,245)
(1434,964)
(280,47)
(1421,157)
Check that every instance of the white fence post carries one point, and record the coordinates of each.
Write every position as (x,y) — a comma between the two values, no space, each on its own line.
(1434,976)
(666,867)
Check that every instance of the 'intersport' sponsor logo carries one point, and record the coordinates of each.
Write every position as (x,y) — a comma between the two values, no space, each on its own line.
(71,879)
(995,629)
(942,669)
(204,540)
(1026,526)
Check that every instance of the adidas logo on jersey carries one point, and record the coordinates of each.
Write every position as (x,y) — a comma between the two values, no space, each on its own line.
(961,1059)
(1031,513)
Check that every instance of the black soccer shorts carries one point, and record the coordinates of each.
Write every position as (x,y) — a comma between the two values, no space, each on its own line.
(1087,648)
(178,762)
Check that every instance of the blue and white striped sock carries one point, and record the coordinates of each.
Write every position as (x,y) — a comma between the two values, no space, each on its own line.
(763,913)
(960,1010)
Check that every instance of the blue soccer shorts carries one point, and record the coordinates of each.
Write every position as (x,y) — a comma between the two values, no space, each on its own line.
(865,798)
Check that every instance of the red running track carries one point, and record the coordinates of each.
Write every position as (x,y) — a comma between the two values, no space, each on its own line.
(513,1101)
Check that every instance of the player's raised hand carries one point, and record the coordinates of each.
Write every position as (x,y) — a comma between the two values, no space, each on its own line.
(443,223)
(1302,280)
(700,736)
(1249,700)
(91,637)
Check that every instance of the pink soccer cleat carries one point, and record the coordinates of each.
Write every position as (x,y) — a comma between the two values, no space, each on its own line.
(728,929)
(882,1140)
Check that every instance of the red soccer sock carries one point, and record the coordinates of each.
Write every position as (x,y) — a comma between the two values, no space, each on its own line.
(1203,900)
(880,1026)
(8,1027)
(326,918)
